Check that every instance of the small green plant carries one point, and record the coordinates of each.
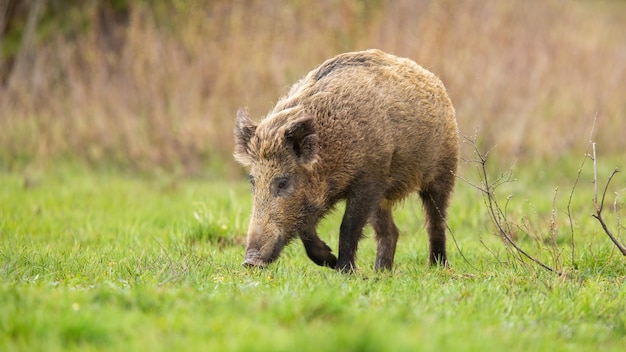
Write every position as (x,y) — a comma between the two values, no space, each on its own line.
(207,228)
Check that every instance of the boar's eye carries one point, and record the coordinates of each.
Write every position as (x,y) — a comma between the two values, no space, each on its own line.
(251,180)
(281,186)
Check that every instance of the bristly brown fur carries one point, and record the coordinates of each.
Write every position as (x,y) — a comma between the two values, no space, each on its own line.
(367,127)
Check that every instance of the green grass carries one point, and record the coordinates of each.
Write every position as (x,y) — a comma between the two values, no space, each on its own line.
(109,261)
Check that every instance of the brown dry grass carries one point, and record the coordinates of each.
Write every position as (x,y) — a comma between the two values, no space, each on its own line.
(162,89)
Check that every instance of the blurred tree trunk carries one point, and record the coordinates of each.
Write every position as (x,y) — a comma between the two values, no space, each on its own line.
(24,57)
(4,9)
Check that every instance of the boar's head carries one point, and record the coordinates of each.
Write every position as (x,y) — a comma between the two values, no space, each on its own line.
(280,152)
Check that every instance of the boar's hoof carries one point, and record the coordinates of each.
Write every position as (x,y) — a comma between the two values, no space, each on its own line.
(439,260)
(329,260)
(321,255)
(319,252)
(346,268)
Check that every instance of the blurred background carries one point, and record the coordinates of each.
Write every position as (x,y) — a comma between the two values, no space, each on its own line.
(154,85)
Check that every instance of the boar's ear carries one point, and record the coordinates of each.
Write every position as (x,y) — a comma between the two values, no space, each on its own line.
(244,130)
(301,135)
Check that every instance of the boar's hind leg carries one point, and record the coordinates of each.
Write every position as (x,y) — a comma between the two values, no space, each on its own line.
(317,250)
(386,236)
(435,199)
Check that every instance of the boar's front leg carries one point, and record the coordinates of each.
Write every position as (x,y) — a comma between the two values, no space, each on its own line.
(317,250)
(359,207)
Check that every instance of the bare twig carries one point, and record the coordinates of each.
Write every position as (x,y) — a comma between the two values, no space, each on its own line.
(595,175)
(569,208)
(556,252)
(616,212)
(553,219)
(571,194)
(600,207)
(490,251)
(456,244)
(498,216)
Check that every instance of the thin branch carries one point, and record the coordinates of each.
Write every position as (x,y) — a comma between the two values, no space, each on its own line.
(469,182)
(556,254)
(495,211)
(569,208)
(571,194)
(553,219)
(510,240)
(490,251)
(616,212)
(595,176)
(599,208)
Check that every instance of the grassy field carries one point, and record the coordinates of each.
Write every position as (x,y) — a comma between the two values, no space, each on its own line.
(111,261)
(147,257)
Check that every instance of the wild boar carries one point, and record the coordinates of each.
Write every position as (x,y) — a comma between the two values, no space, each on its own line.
(366,127)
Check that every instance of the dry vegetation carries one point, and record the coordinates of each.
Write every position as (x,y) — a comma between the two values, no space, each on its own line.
(146,85)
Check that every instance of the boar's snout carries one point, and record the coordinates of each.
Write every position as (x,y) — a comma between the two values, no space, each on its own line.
(262,248)
(253,258)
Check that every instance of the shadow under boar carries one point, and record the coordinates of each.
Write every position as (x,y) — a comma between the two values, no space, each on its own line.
(367,127)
